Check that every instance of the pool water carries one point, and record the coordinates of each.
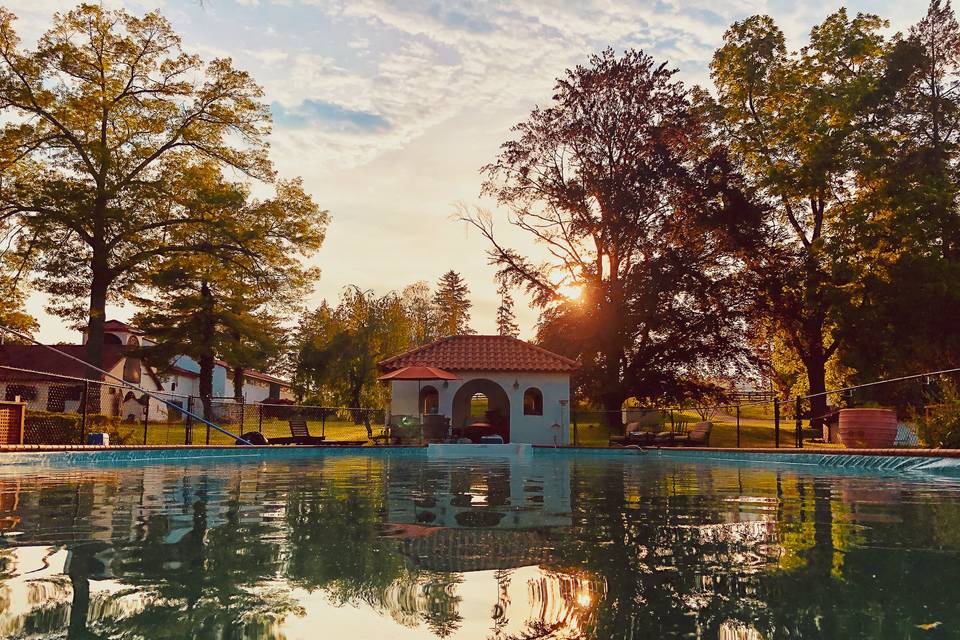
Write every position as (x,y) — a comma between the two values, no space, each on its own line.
(406,546)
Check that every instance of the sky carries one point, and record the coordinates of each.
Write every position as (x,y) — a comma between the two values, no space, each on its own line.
(389,109)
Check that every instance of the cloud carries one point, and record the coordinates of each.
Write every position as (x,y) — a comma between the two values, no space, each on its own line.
(268,57)
(388,108)
(327,115)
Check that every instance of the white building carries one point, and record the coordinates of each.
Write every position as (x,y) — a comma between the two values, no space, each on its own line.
(22,376)
(519,387)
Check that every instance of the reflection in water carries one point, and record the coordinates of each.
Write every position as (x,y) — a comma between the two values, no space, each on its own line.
(555,546)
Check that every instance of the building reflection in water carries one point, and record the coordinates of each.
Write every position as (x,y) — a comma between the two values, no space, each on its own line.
(379,546)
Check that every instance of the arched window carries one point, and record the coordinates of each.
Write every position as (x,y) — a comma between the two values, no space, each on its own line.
(429,400)
(532,402)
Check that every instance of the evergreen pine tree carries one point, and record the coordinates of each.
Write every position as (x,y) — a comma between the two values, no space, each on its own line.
(506,320)
(452,305)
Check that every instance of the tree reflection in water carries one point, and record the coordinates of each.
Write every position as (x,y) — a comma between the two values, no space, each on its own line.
(569,547)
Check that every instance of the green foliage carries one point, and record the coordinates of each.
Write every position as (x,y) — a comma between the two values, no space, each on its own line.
(609,179)
(337,348)
(940,426)
(451,305)
(421,315)
(228,304)
(506,319)
(104,120)
(13,315)
(42,427)
(900,316)
(798,124)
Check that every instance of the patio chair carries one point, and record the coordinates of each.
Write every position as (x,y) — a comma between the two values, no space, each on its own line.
(634,436)
(698,436)
(436,428)
(675,435)
(383,437)
(299,434)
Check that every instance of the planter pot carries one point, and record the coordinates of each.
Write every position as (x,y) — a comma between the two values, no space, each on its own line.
(868,428)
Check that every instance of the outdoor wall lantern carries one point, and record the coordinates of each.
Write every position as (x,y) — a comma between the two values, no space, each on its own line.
(446,383)
(516,385)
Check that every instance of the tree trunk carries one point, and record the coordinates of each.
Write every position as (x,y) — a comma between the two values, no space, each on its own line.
(613,411)
(96,316)
(238,380)
(816,366)
(208,356)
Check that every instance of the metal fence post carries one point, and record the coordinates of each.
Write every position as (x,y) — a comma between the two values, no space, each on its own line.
(83,411)
(243,404)
(799,417)
(738,426)
(146,419)
(576,438)
(323,423)
(188,427)
(260,417)
(776,421)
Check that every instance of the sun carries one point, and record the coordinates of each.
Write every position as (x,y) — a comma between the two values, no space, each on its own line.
(571,291)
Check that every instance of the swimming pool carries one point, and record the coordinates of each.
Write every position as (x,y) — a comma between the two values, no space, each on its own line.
(401,544)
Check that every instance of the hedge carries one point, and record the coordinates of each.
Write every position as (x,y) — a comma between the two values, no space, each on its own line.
(42,427)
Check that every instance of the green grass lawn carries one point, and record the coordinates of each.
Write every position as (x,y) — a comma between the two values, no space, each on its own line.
(175,432)
(755,432)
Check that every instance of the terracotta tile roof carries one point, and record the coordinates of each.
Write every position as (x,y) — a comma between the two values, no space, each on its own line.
(482,353)
(41,358)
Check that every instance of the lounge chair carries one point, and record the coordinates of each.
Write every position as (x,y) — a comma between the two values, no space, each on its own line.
(674,436)
(698,436)
(633,439)
(637,434)
(299,433)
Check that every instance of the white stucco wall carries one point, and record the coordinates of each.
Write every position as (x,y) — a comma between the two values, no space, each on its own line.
(527,429)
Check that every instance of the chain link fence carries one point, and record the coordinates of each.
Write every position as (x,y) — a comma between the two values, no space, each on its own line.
(62,410)
(924,406)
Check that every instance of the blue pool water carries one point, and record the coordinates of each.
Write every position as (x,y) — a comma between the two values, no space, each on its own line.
(548,544)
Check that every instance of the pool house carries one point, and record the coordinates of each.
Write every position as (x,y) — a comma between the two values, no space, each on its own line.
(498,383)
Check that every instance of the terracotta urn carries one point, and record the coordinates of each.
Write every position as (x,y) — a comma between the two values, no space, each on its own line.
(868,428)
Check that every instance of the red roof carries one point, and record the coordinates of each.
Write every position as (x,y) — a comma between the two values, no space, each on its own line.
(42,358)
(482,353)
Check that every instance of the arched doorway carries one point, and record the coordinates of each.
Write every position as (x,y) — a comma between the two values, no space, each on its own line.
(497,412)
(429,400)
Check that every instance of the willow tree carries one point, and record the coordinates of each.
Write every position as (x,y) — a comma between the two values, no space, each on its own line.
(338,348)
(607,179)
(101,117)
(797,123)
(227,299)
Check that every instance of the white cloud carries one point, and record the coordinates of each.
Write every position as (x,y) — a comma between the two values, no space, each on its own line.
(268,57)
(448,78)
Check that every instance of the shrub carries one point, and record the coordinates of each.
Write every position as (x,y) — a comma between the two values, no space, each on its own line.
(940,426)
(42,427)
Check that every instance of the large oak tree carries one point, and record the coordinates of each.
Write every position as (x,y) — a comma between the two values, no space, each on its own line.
(610,179)
(102,116)
(797,124)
